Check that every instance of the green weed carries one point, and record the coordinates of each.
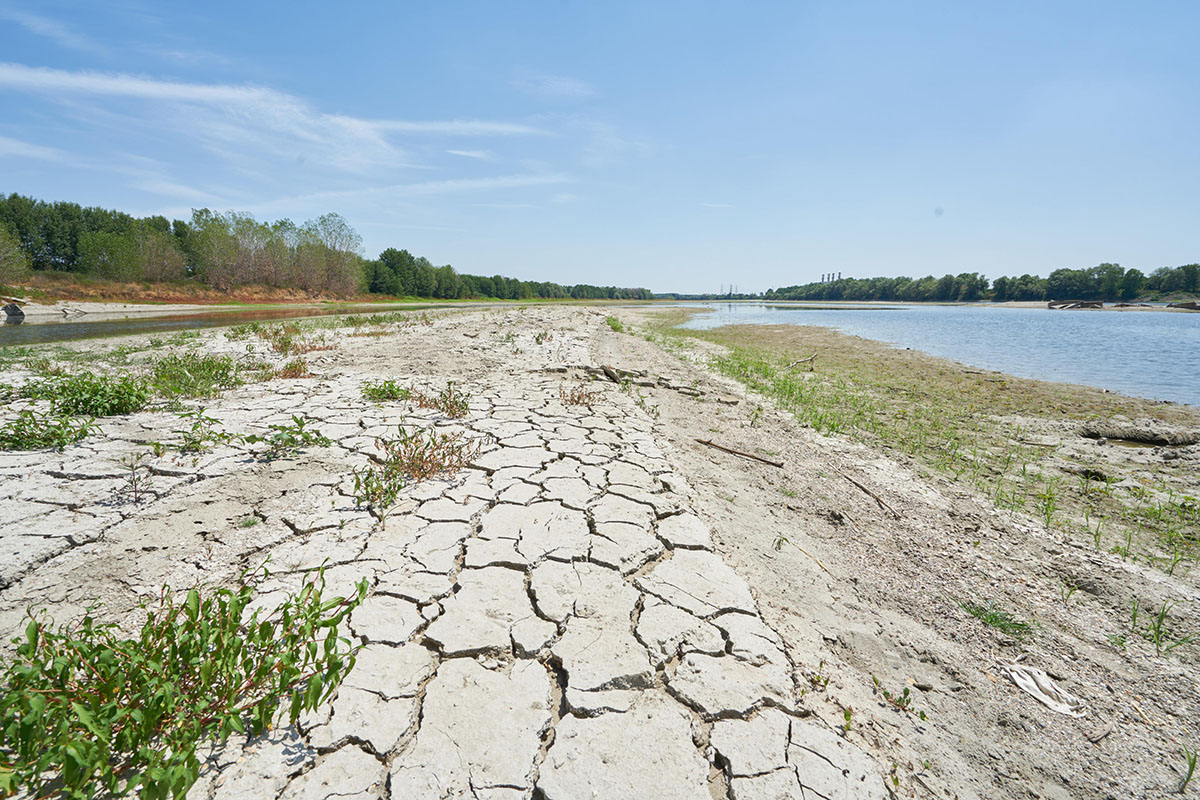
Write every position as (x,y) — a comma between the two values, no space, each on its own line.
(87,395)
(30,430)
(181,375)
(288,440)
(85,711)
(384,390)
(997,618)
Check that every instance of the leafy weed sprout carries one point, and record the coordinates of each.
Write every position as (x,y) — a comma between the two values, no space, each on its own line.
(412,457)
(296,368)
(88,395)
(615,324)
(30,430)
(384,390)
(86,711)
(192,375)
(449,401)
(997,618)
(288,440)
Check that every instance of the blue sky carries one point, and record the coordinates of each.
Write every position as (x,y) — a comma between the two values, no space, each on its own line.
(679,146)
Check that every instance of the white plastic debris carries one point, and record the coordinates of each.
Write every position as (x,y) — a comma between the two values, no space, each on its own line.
(1039,684)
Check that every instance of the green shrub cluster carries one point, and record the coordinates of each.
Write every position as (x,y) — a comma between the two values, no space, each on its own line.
(87,712)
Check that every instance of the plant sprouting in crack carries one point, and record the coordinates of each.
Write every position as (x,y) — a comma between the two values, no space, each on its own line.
(203,435)
(138,479)
(85,710)
(415,457)
(450,401)
(288,440)
(901,701)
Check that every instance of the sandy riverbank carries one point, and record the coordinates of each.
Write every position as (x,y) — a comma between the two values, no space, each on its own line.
(642,614)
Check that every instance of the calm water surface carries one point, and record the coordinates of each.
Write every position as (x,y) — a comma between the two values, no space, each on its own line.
(43,332)
(1142,353)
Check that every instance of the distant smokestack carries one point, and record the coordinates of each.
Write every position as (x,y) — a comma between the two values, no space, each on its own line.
(839,276)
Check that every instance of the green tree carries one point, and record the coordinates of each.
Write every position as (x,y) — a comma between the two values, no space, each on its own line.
(14,261)
(110,255)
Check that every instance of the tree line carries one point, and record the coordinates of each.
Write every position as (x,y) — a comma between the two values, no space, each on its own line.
(1109,282)
(224,251)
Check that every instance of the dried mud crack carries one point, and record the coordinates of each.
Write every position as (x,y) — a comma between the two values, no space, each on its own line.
(551,621)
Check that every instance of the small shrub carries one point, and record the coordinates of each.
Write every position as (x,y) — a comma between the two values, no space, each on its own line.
(85,711)
(138,478)
(384,390)
(33,431)
(296,368)
(87,395)
(577,395)
(192,375)
(410,456)
(615,324)
(449,401)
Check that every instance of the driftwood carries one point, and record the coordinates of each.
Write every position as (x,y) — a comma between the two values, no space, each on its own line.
(798,361)
(1056,304)
(874,496)
(1190,305)
(711,443)
(611,373)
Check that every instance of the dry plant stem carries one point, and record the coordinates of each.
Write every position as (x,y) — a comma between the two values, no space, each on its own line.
(711,443)
(799,361)
(810,555)
(874,496)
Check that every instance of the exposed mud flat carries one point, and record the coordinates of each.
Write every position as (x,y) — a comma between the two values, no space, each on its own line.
(603,607)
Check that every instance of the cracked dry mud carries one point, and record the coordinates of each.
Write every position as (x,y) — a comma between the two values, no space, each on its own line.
(552,622)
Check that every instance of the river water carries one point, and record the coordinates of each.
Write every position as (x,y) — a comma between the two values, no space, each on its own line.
(1142,353)
(41,331)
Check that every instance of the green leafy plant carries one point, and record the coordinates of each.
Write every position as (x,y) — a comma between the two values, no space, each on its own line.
(615,324)
(994,617)
(415,457)
(296,368)
(288,440)
(901,701)
(1160,635)
(203,435)
(193,375)
(86,711)
(87,395)
(383,390)
(30,430)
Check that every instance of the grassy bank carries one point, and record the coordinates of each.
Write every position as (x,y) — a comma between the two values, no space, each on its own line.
(1012,439)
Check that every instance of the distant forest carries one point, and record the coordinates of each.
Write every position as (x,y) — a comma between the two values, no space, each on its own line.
(322,256)
(1109,282)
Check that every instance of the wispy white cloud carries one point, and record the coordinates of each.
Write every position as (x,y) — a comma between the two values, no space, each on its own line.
(605,145)
(17,148)
(552,85)
(252,122)
(53,30)
(716,205)
(483,155)
(448,186)
(460,127)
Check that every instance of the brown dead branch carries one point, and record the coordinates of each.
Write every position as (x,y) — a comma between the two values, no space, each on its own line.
(711,443)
